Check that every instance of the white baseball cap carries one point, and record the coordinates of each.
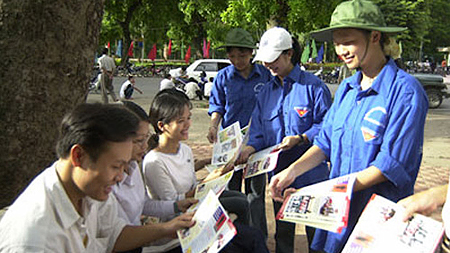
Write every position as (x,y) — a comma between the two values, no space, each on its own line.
(273,42)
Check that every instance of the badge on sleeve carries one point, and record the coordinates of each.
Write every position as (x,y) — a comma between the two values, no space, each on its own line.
(368,134)
(302,111)
(373,124)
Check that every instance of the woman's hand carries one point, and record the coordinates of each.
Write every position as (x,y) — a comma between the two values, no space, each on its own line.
(190,194)
(245,153)
(279,182)
(212,134)
(289,142)
(424,202)
(184,204)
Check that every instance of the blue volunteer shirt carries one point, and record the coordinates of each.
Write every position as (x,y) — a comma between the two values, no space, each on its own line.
(382,126)
(233,96)
(294,108)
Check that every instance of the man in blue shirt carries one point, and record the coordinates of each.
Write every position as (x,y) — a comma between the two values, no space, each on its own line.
(375,126)
(289,112)
(232,99)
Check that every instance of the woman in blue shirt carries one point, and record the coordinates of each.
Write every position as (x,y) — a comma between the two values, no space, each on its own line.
(288,111)
(375,126)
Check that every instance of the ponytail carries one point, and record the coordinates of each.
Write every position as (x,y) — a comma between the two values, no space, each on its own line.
(153,141)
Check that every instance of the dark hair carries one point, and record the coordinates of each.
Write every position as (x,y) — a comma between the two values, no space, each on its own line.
(167,105)
(105,50)
(130,76)
(136,109)
(191,79)
(297,52)
(211,79)
(241,49)
(94,125)
(167,76)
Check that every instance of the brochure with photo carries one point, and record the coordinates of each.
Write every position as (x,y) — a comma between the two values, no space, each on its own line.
(228,142)
(381,229)
(261,162)
(324,205)
(216,185)
(213,228)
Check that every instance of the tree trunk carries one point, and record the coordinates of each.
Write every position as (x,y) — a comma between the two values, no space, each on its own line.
(47,50)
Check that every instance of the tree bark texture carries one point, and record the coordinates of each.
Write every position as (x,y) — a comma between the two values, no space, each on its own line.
(47,53)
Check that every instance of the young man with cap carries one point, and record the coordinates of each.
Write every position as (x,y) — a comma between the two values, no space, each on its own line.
(232,99)
(375,126)
(67,207)
(289,112)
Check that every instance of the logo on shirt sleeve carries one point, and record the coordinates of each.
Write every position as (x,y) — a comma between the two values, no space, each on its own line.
(368,134)
(373,124)
(301,111)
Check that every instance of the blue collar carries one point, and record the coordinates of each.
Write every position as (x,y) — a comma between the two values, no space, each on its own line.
(381,82)
(294,76)
(235,72)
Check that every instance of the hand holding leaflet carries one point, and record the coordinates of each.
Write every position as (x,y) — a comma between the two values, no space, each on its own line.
(213,228)
(381,229)
(324,205)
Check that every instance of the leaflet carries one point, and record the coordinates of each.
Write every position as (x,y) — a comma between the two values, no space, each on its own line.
(216,185)
(324,205)
(261,162)
(381,229)
(213,228)
(227,145)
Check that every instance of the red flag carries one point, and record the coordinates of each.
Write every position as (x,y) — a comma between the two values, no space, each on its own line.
(130,50)
(169,50)
(207,49)
(109,45)
(152,54)
(187,57)
(204,48)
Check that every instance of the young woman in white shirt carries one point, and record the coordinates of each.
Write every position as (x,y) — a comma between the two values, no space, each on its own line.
(169,168)
(131,195)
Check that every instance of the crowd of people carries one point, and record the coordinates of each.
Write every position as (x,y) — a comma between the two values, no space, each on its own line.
(111,171)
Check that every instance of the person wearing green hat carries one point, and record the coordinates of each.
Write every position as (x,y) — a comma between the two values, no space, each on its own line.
(233,97)
(375,126)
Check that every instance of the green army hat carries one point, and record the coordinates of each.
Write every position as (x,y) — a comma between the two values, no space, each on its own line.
(360,14)
(239,37)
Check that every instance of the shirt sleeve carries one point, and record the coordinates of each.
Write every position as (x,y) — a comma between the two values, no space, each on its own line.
(217,99)
(322,103)
(158,208)
(323,138)
(401,150)
(159,181)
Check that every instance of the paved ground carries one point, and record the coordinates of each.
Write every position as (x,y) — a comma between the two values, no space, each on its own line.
(434,169)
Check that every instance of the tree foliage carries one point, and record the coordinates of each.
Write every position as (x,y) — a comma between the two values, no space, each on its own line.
(189,22)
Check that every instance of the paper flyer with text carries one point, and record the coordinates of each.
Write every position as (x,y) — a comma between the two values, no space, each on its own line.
(381,229)
(216,185)
(261,162)
(213,228)
(228,142)
(324,205)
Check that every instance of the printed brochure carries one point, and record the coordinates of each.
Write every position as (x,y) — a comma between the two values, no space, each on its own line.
(213,228)
(381,229)
(261,162)
(324,205)
(228,143)
(216,185)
